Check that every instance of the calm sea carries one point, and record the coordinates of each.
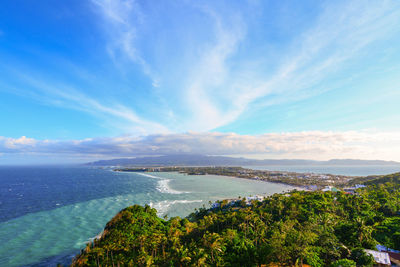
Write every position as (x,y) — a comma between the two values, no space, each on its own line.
(47,214)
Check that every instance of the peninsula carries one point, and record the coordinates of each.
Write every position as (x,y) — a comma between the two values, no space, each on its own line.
(290,178)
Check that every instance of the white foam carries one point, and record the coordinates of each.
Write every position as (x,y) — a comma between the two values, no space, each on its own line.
(148,175)
(163,184)
(163,206)
(91,239)
(163,187)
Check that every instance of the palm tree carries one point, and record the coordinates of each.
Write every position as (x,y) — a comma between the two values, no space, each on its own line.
(214,243)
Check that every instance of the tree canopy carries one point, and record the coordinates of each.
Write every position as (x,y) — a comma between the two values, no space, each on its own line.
(314,228)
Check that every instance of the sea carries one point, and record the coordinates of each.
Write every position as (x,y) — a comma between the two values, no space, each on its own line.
(48,214)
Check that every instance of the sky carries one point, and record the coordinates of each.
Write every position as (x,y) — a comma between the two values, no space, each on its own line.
(82,80)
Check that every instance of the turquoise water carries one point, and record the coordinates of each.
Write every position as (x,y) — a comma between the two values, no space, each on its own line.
(48,214)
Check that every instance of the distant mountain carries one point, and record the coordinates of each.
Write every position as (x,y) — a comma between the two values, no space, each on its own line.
(202,160)
(175,160)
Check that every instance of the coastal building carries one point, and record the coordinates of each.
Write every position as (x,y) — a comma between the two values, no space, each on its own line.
(394,258)
(251,198)
(350,190)
(312,187)
(386,249)
(394,255)
(234,201)
(330,188)
(215,205)
(380,258)
(353,189)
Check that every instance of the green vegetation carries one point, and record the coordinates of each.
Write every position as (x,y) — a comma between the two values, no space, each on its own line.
(376,180)
(315,228)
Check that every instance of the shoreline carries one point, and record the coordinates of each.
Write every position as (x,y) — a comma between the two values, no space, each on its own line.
(302,187)
(252,179)
(304,181)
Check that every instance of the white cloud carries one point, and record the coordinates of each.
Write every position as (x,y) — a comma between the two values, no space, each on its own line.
(209,76)
(121,18)
(340,35)
(311,145)
(215,90)
(22,142)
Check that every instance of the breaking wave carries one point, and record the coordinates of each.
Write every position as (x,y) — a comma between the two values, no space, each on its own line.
(163,184)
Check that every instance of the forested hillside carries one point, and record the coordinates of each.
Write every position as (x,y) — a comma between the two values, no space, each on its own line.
(315,228)
(376,179)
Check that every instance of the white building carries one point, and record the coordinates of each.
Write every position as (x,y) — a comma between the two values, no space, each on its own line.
(381,258)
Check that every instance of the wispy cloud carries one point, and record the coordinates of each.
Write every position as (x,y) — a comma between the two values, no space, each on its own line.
(121,19)
(116,114)
(331,46)
(313,145)
(204,90)
(317,60)
(216,87)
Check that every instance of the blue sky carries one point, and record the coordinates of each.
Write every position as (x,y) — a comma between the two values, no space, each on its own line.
(282,79)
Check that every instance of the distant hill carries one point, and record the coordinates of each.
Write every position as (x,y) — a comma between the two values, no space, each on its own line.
(202,160)
(175,160)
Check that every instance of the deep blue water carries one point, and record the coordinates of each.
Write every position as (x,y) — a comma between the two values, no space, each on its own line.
(26,190)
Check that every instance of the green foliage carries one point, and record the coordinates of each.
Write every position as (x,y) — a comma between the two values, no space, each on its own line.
(361,258)
(344,263)
(315,228)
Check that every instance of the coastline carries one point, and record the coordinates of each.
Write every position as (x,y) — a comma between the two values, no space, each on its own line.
(170,190)
(304,181)
(301,187)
